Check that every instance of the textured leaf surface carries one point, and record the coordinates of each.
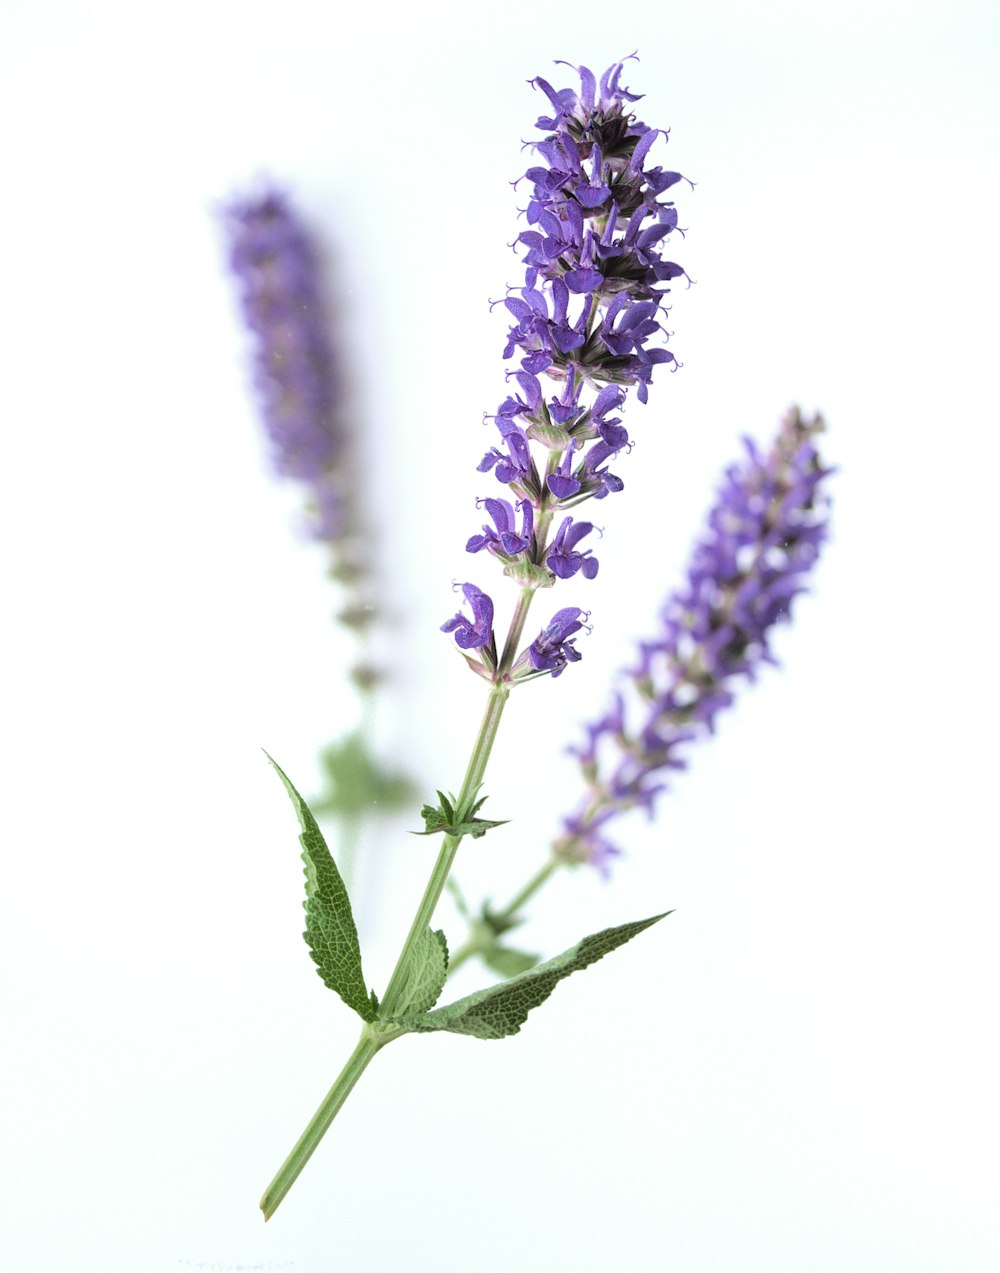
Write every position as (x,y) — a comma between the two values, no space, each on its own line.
(330,933)
(502,1010)
(426,973)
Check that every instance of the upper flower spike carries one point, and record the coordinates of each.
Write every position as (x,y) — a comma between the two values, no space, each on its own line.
(590,313)
(763,537)
(587,325)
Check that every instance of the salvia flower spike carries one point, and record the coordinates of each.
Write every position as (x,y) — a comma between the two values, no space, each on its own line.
(587,328)
(762,539)
(275,262)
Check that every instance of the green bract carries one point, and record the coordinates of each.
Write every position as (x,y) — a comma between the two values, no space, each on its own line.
(446,818)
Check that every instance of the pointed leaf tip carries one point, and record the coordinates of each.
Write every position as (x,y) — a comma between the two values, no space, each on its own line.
(331,934)
(501,1010)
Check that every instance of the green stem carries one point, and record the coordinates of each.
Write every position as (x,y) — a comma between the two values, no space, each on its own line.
(530,889)
(514,632)
(474,945)
(357,1063)
(381,1032)
(442,867)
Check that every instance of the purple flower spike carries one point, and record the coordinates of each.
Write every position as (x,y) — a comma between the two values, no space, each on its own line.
(586,326)
(478,632)
(274,260)
(591,306)
(277,268)
(763,538)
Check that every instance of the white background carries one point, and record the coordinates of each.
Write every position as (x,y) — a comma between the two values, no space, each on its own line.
(797,1070)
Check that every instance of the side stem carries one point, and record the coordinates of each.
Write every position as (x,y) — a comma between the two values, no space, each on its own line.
(475,944)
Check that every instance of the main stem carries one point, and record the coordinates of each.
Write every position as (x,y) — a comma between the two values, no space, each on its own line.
(475,942)
(474,774)
(376,1036)
(288,1173)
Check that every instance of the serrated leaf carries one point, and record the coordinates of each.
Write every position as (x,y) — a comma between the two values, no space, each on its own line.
(509,962)
(426,973)
(501,1010)
(331,934)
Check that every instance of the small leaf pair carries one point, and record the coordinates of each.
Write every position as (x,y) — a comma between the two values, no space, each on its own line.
(444,817)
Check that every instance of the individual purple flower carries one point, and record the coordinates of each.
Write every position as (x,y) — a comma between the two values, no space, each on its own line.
(554,647)
(763,538)
(505,541)
(477,632)
(563,559)
(562,483)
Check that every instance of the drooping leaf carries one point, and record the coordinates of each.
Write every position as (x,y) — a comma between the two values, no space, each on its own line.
(331,934)
(502,1010)
(425,974)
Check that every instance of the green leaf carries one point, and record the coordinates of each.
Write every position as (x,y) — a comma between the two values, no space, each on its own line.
(330,933)
(355,785)
(425,973)
(509,962)
(502,1010)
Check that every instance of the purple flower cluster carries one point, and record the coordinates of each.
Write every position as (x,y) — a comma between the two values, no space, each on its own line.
(763,537)
(275,263)
(585,321)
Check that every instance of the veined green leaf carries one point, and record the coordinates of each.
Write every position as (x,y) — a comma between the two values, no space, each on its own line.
(426,973)
(331,934)
(502,1010)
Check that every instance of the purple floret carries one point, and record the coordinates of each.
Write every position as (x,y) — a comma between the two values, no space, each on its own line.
(477,632)
(505,541)
(555,645)
(563,559)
